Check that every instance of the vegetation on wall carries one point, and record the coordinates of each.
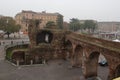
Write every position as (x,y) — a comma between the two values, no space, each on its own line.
(51,25)
(9,51)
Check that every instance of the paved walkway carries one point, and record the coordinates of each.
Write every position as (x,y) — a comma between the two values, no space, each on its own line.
(54,70)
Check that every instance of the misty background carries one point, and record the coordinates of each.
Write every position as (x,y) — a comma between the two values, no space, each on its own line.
(100,10)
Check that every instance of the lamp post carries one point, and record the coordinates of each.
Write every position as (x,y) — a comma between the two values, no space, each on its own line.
(7,21)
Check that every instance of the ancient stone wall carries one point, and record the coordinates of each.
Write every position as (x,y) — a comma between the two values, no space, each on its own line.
(45,44)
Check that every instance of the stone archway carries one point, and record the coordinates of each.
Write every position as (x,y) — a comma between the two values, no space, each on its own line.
(18,56)
(91,64)
(44,37)
(103,67)
(78,56)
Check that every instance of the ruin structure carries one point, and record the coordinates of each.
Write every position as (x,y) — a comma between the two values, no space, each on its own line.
(82,50)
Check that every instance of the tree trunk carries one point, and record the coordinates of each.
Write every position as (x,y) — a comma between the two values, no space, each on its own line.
(8,35)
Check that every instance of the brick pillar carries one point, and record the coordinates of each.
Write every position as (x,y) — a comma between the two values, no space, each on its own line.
(89,69)
(90,65)
(73,56)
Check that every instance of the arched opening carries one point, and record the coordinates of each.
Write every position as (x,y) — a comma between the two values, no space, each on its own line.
(117,71)
(102,60)
(18,56)
(44,37)
(90,65)
(103,70)
(78,56)
(95,70)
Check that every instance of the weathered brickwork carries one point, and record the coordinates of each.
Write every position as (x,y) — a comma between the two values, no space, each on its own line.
(45,43)
(83,51)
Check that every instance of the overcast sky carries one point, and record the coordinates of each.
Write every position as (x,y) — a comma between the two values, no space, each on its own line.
(100,10)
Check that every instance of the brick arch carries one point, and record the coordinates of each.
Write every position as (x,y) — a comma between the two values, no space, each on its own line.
(94,55)
(91,64)
(110,50)
(77,57)
(18,56)
(112,63)
(44,37)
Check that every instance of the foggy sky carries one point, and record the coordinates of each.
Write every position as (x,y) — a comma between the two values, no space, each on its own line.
(100,10)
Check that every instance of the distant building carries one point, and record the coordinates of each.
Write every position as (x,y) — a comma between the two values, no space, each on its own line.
(83,21)
(109,30)
(45,17)
(108,26)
